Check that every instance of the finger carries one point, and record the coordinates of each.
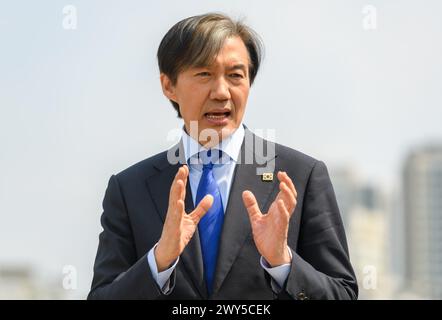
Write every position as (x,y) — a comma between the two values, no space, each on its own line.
(176,191)
(175,210)
(175,213)
(251,204)
(282,208)
(175,194)
(175,179)
(287,196)
(283,176)
(186,175)
(202,208)
(282,194)
(179,208)
(180,174)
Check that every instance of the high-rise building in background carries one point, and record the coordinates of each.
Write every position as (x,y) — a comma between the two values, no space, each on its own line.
(344,184)
(365,212)
(369,252)
(422,195)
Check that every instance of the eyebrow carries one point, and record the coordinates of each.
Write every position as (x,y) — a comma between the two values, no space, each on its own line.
(238,66)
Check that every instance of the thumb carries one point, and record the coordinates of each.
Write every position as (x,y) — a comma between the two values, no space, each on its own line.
(202,208)
(251,204)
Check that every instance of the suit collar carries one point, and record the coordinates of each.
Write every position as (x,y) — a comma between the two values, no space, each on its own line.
(230,146)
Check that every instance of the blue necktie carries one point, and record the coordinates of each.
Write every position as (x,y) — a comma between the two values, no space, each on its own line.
(211,224)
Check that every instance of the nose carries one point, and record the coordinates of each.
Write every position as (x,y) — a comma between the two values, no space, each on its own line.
(220,89)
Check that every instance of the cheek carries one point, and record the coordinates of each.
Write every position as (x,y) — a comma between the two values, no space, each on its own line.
(239,97)
(192,101)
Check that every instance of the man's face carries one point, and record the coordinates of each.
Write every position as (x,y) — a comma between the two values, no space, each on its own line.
(215,96)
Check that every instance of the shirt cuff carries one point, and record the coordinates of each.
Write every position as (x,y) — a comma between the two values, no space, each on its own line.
(161,278)
(279,274)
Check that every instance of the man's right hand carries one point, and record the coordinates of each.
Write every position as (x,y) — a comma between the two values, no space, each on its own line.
(179,226)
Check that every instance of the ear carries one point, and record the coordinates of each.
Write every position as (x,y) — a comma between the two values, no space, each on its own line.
(168,87)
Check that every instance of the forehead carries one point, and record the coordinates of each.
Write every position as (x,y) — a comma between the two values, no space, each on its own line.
(233,49)
(232,52)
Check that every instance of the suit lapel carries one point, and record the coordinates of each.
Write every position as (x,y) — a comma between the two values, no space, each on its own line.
(237,228)
(159,187)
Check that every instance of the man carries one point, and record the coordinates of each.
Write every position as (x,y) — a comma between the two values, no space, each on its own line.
(207,219)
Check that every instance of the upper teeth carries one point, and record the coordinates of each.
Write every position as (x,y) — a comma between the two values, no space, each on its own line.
(216,116)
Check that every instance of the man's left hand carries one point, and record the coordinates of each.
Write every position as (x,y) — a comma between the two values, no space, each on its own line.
(270,230)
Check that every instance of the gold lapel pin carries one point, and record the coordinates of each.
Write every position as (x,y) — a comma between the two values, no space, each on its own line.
(268,176)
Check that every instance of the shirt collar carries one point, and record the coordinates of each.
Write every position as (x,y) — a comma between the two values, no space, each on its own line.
(230,146)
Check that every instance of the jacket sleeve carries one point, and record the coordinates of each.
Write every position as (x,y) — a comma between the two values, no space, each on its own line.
(320,267)
(118,274)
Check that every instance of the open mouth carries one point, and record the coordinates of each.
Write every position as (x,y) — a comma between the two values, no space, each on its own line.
(217,115)
(217,118)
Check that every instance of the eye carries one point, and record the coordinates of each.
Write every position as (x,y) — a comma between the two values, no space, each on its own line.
(236,75)
(203,74)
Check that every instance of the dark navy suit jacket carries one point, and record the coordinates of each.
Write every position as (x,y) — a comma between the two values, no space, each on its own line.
(135,205)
